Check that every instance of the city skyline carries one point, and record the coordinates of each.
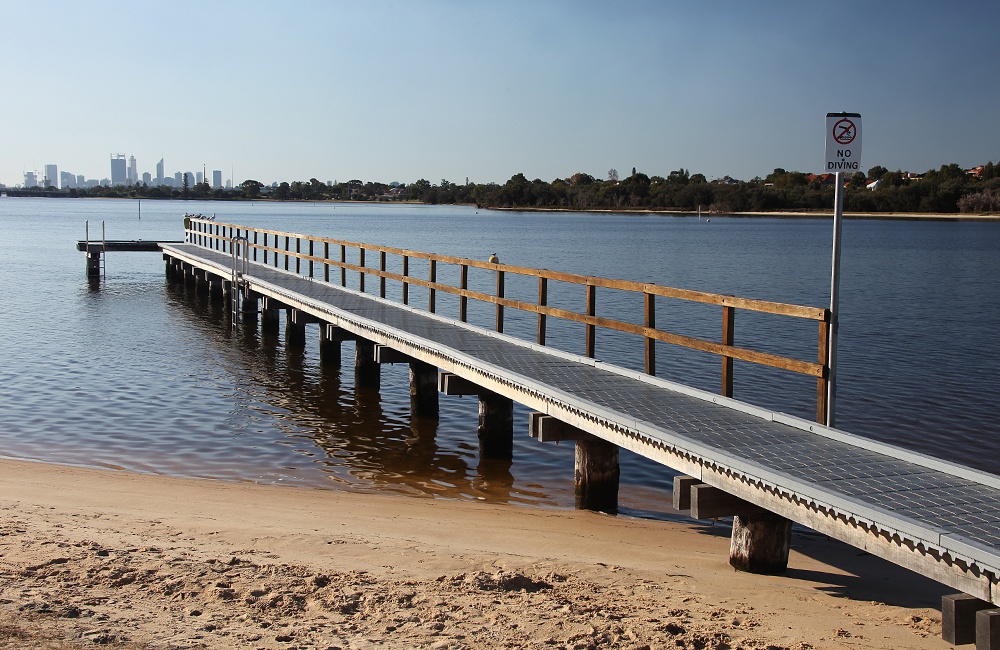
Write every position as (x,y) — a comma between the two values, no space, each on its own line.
(120,174)
(450,90)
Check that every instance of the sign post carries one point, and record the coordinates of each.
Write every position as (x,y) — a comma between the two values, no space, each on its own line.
(843,153)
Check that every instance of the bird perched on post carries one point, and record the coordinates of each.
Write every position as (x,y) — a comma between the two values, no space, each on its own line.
(494,259)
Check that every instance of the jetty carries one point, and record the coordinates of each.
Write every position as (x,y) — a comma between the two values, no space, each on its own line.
(763,468)
(96,249)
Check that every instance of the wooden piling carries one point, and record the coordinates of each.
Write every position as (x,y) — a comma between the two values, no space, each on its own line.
(988,629)
(496,426)
(329,346)
(595,478)
(269,318)
(295,330)
(249,306)
(94,264)
(367,371)
(760,543)
(958,617)
(423,390)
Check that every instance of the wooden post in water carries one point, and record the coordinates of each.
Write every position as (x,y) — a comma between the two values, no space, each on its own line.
(329,345)
(295,329)
(496,426)
(760,543)
(423,390)
(367,371)
(249,306)
(269,318)
(595,478)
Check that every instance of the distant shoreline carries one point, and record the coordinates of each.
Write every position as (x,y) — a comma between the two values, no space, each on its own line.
(896,216)
(929,216)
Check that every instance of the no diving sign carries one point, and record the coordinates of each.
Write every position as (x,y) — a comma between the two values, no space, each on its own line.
(843,142)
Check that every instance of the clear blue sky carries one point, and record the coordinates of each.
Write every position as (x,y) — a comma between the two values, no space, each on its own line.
(451,89)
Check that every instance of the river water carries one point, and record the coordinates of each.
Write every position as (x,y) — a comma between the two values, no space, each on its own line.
(137,374)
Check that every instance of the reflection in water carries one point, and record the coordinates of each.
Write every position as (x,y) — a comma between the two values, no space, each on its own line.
(363,439)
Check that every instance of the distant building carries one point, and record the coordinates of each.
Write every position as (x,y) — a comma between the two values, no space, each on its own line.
(119,175)
(200,178)
(133,173)
(51,176)
(67,180)
(178,181)
(189,177)
(147,178)
(31,179)
(81,180)
(217,179)
(159,172)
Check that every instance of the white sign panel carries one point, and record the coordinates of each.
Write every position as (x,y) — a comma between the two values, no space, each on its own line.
(843,142)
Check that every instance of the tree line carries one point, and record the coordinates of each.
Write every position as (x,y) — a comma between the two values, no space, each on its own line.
(949,189)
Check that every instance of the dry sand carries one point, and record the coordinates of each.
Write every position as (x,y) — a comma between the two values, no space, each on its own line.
(92,557)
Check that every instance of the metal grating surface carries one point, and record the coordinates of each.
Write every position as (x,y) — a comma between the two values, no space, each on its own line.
(934,498)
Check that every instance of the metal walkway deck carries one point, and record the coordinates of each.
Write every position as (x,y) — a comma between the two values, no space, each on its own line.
(937,518)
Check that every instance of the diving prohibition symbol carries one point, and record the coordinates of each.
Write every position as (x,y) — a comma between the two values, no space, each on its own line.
(844,131)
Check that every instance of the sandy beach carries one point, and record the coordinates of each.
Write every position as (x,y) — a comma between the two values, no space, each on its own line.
(116,559)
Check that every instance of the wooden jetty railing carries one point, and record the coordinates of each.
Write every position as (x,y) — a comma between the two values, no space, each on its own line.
(270,246)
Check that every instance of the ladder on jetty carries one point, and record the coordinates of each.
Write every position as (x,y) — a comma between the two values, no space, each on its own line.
(239,247)
(95,252)
(763,468)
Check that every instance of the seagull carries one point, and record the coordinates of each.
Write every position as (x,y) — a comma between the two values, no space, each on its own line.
(494,259)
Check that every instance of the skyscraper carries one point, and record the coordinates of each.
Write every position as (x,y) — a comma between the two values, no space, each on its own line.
(67,180)
(133,173)
(31,179)
(51,176)
(217,179)
(159,172)
(118,173)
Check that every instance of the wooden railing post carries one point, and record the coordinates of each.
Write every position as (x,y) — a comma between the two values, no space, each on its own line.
(310,258)
(431,293)
(265,249)
(728,337)
(343,269)
(463,301)
(499,306)
(406,284)
(254,245)
(823,382)
(361,272)
(650,322)
(286,251)
(381,278)
(326,264)
(591,330)
(543,300)
(298,251)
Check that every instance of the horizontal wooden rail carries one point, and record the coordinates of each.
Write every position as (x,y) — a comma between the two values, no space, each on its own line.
(274,243)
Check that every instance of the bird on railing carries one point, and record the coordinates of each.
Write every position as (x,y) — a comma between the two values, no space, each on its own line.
(494,259)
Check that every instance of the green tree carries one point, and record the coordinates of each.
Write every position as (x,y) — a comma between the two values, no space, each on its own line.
(251,188)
